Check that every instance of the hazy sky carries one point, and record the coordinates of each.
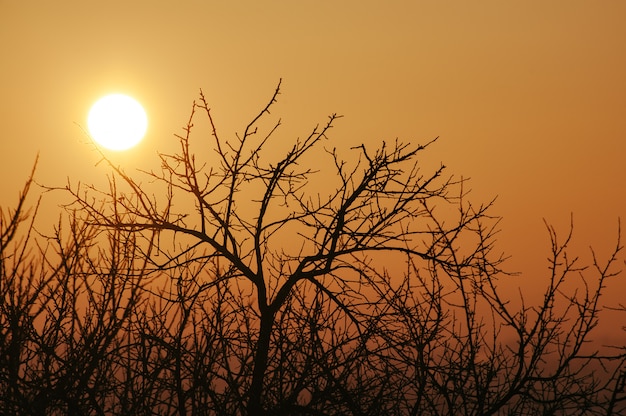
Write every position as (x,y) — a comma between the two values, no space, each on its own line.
(528,97)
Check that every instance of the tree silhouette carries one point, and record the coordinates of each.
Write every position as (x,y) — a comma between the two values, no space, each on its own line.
(236,281)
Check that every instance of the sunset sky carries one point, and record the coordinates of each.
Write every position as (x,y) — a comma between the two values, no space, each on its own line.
(528,97)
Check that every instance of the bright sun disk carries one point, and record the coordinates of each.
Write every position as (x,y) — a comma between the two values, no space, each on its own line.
(117,122)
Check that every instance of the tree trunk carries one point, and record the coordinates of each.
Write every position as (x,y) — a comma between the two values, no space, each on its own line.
(260,364)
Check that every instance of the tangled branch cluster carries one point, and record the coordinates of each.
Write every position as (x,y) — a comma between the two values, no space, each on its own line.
(234,288)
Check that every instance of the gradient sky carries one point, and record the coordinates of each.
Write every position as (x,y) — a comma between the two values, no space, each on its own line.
(528,97)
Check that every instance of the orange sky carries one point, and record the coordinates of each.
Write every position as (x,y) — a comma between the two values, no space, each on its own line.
(528,97)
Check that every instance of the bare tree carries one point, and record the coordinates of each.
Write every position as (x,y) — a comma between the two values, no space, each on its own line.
(236,281)
(66,309)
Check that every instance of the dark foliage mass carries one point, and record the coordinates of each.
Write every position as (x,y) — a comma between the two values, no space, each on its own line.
(239,281)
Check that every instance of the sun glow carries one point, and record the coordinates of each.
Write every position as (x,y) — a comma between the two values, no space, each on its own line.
(117,122)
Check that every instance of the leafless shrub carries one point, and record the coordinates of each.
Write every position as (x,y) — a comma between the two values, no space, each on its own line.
(233,283)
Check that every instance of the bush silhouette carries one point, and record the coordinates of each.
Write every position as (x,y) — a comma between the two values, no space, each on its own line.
(241,282)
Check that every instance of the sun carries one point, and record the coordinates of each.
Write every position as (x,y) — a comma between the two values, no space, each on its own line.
(117,122)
